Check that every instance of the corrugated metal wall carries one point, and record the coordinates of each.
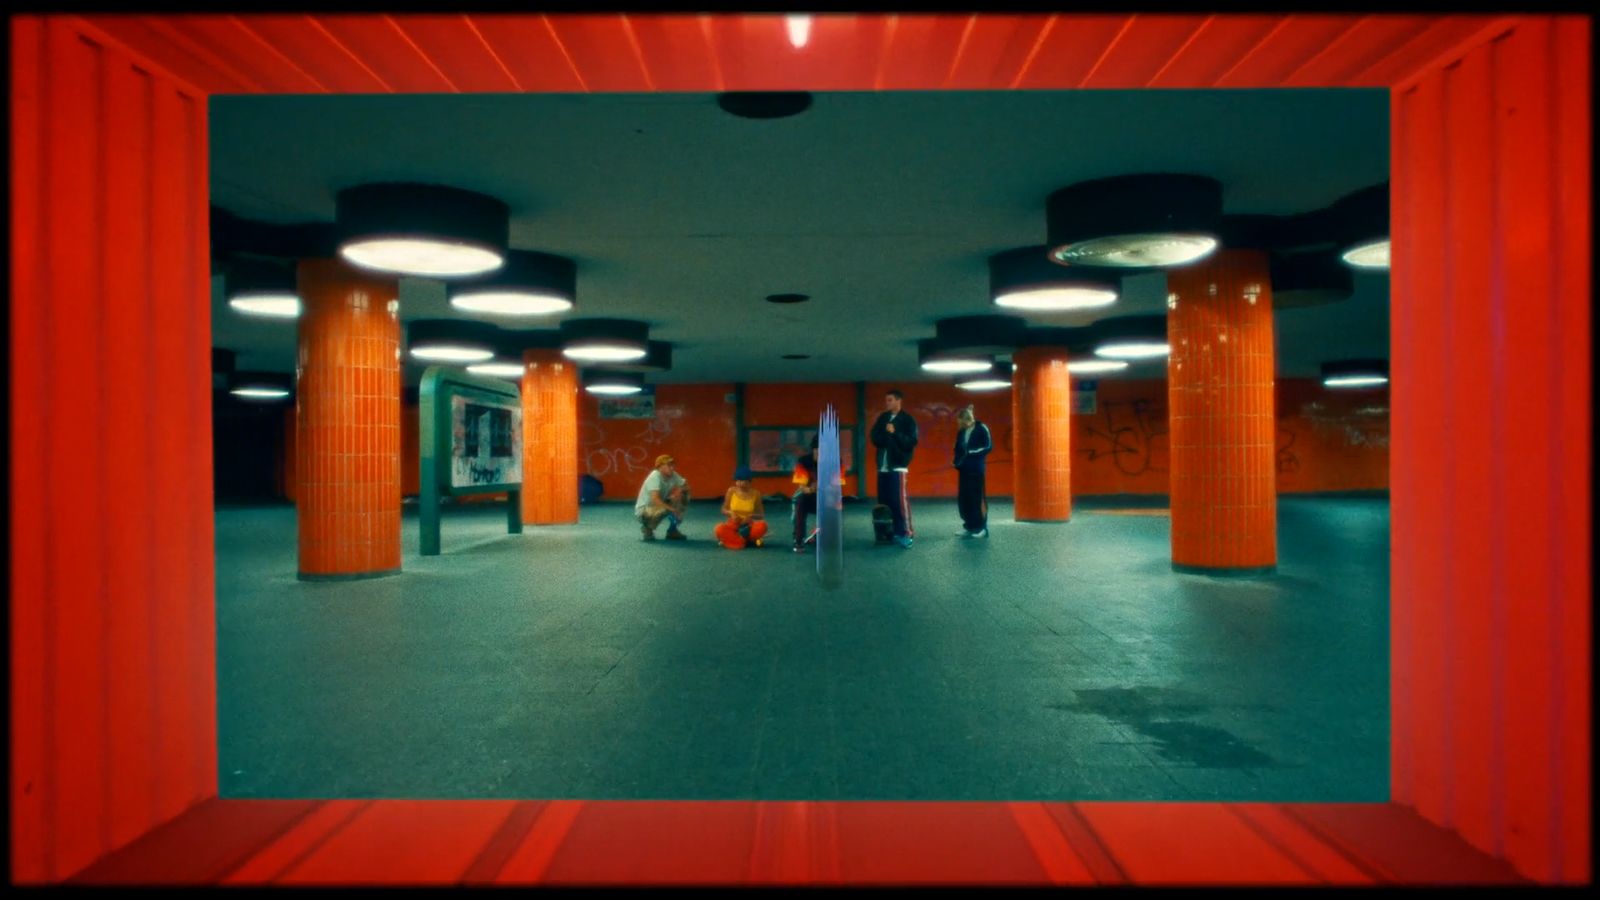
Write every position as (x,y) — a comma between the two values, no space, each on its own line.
(1489,468)
(113,704)
(113,691)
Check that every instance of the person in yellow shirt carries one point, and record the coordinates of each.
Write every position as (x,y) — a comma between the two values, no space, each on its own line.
(747,515)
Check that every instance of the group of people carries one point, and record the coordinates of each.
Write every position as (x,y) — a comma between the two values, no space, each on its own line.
(664,496)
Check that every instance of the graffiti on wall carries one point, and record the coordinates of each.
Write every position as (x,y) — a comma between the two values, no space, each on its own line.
(1131,433)
(634,452)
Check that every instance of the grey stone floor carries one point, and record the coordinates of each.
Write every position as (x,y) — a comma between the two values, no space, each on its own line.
(1049,662)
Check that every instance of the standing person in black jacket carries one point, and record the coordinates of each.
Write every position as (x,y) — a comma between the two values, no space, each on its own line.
(895,436)
(973,444)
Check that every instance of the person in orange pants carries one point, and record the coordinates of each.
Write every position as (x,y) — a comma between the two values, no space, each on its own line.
(747,516)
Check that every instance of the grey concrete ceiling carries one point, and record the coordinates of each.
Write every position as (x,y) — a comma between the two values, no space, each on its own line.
(881,206)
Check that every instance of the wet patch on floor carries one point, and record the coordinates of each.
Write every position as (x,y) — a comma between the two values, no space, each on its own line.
(1156,712)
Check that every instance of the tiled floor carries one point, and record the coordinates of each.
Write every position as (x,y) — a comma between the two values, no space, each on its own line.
(1050,662)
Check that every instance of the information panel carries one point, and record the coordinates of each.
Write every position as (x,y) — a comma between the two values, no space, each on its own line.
(486,443)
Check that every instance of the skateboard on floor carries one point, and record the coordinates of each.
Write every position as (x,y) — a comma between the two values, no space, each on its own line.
(882,524)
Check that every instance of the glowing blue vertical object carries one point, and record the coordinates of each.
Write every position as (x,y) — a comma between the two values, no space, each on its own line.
(830,502)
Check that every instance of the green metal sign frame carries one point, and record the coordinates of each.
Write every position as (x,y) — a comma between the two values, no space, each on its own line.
(436,435)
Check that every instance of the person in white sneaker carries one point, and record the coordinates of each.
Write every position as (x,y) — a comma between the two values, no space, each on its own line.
(973,443)
(664,497)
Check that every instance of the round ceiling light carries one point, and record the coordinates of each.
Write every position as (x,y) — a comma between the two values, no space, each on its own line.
(605,340)
(260,288)
(497,368)
(1360,221)
(1131,337)
(1134,221)
(764,104)
(451,341)
(1095,366)
(529,284)
(261,385)
(934,356)
(421,229)
(1355,373)
(997,378)
(1025,279)
(612,383)
(1372,255)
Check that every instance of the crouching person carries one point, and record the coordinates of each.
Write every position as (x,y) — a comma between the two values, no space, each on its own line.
(747,515)
(664,497)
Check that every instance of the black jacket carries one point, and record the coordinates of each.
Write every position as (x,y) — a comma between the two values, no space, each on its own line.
(979,443)
(900,444)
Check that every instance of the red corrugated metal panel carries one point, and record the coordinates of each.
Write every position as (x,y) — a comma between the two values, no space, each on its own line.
(99,761)
(1572,475)
(1141,50)
(312,49)
(600,51)
(453,46)
(1491,555)
(31,841)
(234,48)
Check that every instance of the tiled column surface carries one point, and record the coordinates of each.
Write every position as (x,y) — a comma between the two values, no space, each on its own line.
(549,438)
(347,443)
(1041,417)
(1219,393)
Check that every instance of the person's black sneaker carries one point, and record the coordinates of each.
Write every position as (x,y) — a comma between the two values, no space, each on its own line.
(648,532)
(799,548)
(674,534)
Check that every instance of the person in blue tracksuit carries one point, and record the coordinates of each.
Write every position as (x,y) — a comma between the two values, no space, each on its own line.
(973,443)
(895,436)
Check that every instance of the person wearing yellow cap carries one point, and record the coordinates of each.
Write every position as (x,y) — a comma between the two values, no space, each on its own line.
(664,496)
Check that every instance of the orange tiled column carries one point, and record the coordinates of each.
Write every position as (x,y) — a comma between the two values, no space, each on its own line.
(549,438)
(347,411)
(1041,417)
(1219,393)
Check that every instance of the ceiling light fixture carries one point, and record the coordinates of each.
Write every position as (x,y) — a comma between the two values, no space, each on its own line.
(764,104)
(261,385)
(1359,223)
(1025,279)
(799,29)
(1373,255)
(529,284)
(260,288)
(451,340)
(1095,366)
(1355,373)
(997,378)
(604,340)
(421,229)
(612,383)
(1131,337)
(1134,221)
(969,343)
(497,369)
(1308,279)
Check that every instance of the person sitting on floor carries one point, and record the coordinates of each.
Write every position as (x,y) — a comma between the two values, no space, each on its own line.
(664,496)
(746,524)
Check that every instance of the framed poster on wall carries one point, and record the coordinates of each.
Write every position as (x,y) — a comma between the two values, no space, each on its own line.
(774,450)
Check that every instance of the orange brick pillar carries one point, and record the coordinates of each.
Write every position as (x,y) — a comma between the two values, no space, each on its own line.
(1221,429)
(1041,423)
(347,411)
(549,438)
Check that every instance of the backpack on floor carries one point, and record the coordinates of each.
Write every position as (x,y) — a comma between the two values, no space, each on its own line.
(882,524)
